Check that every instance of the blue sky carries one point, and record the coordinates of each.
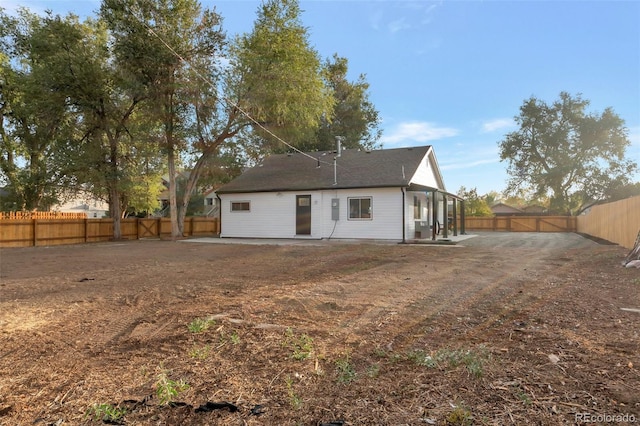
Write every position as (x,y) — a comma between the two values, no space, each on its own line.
(453,74)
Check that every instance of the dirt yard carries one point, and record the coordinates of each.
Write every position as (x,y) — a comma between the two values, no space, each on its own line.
(501,329)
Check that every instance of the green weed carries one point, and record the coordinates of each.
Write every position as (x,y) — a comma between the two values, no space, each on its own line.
(201,352)
(108,413)
(345,371)
(460,416)
(420,357)
(294,399)
(373,370)
(199,325)
(524,397)
(451,358)
(167,390)
(302,346)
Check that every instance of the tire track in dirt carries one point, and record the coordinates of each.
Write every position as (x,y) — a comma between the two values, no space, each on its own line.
(411,294)
(447,299)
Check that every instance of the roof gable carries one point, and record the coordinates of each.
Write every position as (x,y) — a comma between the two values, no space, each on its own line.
(354,169)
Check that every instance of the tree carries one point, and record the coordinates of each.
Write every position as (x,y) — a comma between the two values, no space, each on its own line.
(276,76)
(355,120)
(474,205)
(561,150)
(170,46)
(35,116)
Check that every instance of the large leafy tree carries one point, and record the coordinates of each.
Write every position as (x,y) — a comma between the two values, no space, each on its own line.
(271,82)
(171,47)
(276,76)
(36,117)
(561,150)
(354,120)
(93,81)
(273,70)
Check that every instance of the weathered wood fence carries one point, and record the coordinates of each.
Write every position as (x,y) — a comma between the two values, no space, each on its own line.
(618,222)
(522,223)
(41,215)
(49,232)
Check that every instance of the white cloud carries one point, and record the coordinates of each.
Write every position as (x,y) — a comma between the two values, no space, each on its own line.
(497,124)
(469,164)
(417,131)
(398,25)
(406,15)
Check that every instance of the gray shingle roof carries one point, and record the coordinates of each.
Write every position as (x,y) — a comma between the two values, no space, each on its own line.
(355,169)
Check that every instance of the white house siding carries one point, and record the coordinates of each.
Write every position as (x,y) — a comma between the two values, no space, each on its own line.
(273,215)
(426,175)
(386,222)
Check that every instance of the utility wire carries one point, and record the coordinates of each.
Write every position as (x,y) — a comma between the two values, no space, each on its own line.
(226,99)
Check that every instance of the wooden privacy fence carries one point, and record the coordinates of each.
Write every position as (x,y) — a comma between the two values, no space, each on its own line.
(49,232)
(522,223)
(41,215)
(618,222)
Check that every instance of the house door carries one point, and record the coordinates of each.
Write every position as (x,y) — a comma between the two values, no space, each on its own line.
(303,214)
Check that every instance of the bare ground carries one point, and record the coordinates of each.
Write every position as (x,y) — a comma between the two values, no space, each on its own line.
(501,329)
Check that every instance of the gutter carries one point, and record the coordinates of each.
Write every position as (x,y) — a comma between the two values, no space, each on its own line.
(404,230)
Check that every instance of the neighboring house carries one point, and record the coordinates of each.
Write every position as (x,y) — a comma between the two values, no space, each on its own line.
(380,194)
(210,207)
(502,209)
(210,203)
(535,209)
(83,203)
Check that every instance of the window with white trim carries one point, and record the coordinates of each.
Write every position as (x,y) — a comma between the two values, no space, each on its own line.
(360,208)
(240,206)
(417,207)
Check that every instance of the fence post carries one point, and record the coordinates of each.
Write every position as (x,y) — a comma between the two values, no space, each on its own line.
(35,232)
(86,229)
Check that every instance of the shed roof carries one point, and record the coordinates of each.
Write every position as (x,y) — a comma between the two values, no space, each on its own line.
(314,171)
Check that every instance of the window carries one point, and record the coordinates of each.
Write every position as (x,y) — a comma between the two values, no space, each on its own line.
(360,208)
(417,207)
(208,201)
(240,206)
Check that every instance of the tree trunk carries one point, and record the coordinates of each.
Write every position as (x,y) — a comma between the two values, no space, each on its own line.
(176,229)
(114,211)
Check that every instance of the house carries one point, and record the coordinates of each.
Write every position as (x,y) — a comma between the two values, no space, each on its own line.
(392,194)
(71,202)
(502,209)
(535,210)
(209,206)
(86,203)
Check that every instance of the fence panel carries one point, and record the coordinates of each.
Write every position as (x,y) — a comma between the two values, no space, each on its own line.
(16,232)
(39,232)
(618,222)
(41,215)
(49,232)
(522,223)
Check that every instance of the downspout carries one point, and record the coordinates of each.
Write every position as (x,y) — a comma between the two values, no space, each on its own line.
(404,230)
(219,213)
